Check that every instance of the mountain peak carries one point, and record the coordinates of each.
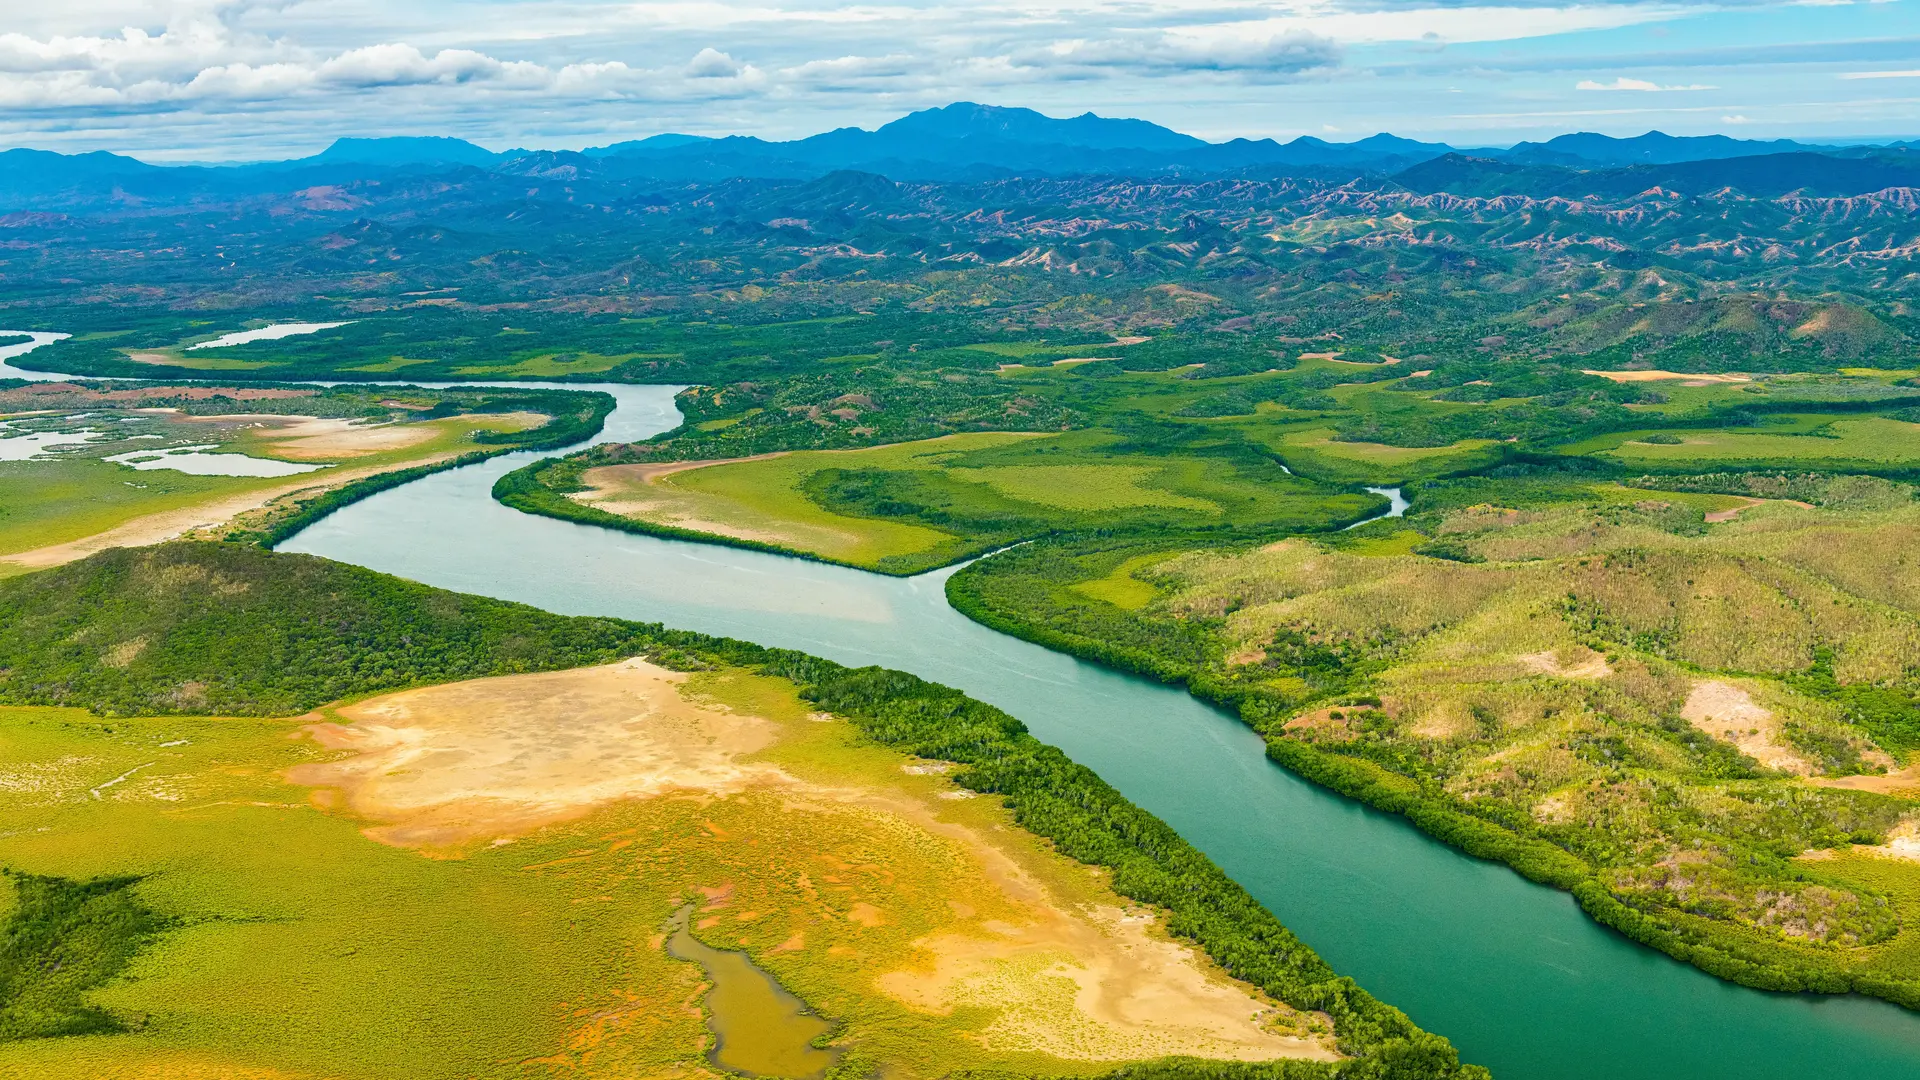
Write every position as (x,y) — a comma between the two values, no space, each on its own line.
(972,120)
(406,150)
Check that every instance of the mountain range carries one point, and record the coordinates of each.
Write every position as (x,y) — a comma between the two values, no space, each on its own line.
(970,143)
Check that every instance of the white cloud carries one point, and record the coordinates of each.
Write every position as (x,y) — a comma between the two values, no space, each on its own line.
(711,63)
(1636,84)
(1288,52)
(404,65)
(1915,74)
(1439,24)
(1735,119)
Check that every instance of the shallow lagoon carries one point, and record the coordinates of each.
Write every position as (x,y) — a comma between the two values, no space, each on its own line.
(196,461)
(265,333)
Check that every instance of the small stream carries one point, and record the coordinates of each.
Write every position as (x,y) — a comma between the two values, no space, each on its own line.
(759,1027)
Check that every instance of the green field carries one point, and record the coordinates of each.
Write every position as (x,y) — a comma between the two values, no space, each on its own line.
(766,500)
(52,502)
(1316,451)
(550,365)
(1801,440)
(914,506)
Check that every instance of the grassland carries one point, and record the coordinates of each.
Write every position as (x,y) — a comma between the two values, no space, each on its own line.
(552,939)
(47,503)
(1696,710)
(1317,452)
(765,500)
(913,506)
(1806,441)
(513,848)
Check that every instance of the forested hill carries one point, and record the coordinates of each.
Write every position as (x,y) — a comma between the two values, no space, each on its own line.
(236,630)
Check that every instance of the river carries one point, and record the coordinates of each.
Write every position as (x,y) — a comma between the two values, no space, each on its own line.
(1512,972)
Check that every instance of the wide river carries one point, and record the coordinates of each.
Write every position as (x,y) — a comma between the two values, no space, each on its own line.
(1512,972)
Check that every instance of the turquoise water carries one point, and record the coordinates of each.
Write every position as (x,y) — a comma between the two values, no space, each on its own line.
(1512,972)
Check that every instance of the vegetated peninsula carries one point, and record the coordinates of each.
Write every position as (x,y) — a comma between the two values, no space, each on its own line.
(617,840)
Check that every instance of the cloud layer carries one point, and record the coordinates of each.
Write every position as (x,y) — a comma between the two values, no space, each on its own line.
(240,78)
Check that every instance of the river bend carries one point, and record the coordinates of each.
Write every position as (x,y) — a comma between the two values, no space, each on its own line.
(1512,972)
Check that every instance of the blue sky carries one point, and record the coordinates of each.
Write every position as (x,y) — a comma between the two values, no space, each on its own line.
(245,79)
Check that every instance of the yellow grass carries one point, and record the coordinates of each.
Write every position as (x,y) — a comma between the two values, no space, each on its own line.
(1121,587)
(475,881)
(761,498)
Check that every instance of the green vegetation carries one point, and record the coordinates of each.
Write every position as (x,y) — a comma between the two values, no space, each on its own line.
(236,630)
(62,939)
(451,344)
(1592,683)
(906,508)
(160,631)
(1789,442)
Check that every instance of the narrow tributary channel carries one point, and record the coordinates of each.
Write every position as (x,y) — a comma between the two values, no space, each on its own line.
(1512,972)
(759,1028)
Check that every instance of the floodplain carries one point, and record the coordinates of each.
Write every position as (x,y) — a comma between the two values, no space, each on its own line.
(529,839)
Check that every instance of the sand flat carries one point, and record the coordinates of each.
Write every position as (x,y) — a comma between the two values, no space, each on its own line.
(452,768)
(1656,375)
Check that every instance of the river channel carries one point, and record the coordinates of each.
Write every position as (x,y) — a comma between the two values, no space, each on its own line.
(1512,972)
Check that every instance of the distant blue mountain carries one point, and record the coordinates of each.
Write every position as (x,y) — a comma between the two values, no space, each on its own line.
(989,123)
(664,141)
(407,150)
(1586,148)
(972,142)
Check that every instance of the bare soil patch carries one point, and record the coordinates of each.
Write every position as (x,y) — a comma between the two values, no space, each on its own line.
(1579,662)
(612,481)
(1903,782)
(1727,712)
(1656,375)
(444,766)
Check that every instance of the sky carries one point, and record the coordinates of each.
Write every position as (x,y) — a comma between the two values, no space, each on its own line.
(207,80)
